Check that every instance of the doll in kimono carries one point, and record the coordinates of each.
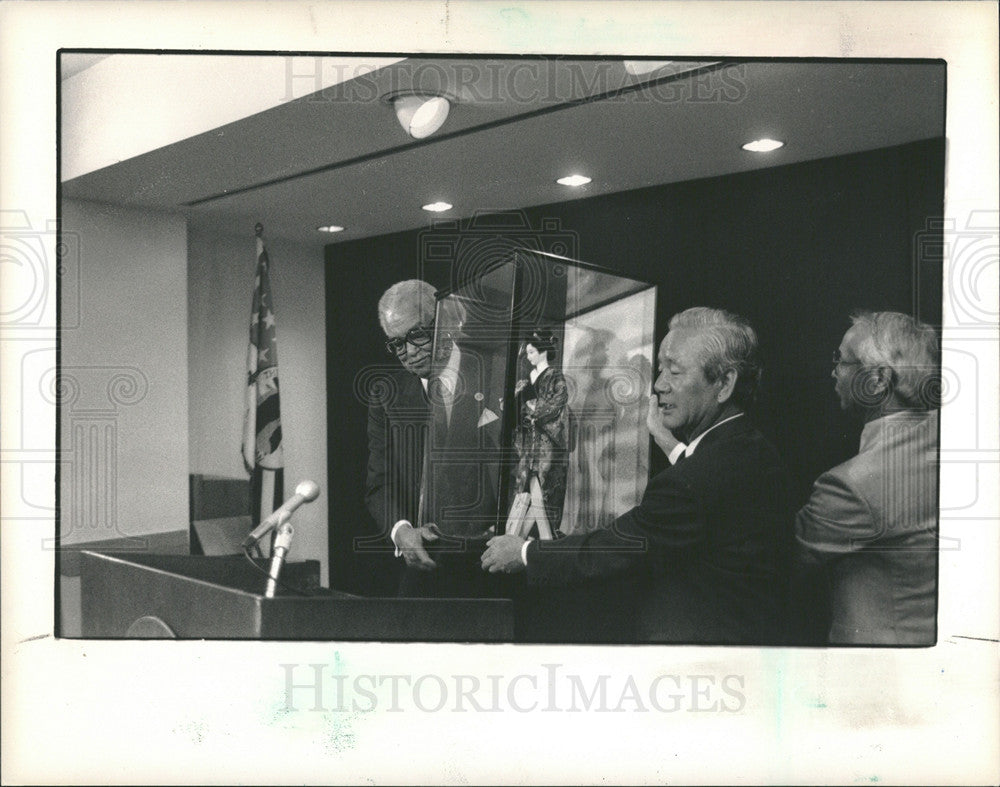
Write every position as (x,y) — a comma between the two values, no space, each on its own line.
(542,436)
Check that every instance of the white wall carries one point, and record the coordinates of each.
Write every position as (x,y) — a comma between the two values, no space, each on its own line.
(124,419)
(220,287)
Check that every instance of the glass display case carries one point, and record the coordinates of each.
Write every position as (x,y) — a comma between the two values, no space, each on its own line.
(542,368)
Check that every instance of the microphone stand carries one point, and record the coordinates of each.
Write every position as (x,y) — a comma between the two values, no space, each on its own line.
(282,543)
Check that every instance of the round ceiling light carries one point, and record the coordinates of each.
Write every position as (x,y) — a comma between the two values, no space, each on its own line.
(437,207)
(763,145)
(573,180)
(330,228)
(421,116)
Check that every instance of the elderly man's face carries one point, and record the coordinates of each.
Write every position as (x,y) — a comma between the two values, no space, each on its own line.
(688,402)
(847,366)
(414,354)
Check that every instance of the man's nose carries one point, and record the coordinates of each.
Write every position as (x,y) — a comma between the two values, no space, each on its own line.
(661,385)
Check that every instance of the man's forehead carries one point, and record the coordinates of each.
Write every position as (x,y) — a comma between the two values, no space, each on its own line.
(852,338)
(402,318)
(677,344)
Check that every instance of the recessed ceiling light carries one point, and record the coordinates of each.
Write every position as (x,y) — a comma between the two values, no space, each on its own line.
(437,207)
(573,180)
(331,228)
(763,145)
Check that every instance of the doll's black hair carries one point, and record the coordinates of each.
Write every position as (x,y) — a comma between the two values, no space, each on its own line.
(544,341)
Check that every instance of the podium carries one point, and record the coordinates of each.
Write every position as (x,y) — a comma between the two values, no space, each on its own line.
(146,596)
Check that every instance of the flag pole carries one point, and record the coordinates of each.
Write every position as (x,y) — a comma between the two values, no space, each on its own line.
(262,450)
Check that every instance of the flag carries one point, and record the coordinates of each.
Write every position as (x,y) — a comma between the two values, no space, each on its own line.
(262,452)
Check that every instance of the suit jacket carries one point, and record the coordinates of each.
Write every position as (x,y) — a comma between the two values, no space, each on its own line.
(872,522)
(441,454)
(711,534)
(397,432)
(463,463)
(410,434)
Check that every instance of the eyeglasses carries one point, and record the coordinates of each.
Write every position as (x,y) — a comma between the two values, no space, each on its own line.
(420,336)
(839,361)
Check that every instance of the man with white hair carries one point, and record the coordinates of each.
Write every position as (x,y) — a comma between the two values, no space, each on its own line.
(871,522)
(432,404)
(712,531)
(398,416)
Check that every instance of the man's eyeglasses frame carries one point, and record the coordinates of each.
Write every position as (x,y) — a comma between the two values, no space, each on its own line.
(420,336)
(838,361)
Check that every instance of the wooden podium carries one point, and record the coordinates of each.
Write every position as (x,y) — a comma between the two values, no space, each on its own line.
(196,597)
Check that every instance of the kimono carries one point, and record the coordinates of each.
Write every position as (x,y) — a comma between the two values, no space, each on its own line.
(542,440)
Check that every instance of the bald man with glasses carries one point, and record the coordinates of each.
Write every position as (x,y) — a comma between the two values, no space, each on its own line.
(398,413)
(398,491)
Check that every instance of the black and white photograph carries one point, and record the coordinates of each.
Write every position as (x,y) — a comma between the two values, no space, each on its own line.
(542,245)
(373,395)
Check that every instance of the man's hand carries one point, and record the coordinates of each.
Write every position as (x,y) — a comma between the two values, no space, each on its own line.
(661,435)
(410,541)
(503,553)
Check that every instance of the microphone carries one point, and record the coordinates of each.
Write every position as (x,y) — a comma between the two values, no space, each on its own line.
(305,492)
(282,543)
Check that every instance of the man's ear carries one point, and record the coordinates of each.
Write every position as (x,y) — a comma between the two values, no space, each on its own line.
(878,385)
(728,383)
(871,386)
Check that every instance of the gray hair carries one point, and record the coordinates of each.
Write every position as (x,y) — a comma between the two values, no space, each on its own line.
(412,294)
(909,348)
(728,342)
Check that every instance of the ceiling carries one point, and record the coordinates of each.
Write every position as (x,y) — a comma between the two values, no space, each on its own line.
(72,66)
(338,156)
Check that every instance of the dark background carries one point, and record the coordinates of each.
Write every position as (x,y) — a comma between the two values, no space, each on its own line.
(796,249)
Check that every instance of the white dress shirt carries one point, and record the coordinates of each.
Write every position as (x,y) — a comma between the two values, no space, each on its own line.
(448,379)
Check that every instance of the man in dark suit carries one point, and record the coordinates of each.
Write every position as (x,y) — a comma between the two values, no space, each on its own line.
(432,434)
(398,414)
(713,530)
